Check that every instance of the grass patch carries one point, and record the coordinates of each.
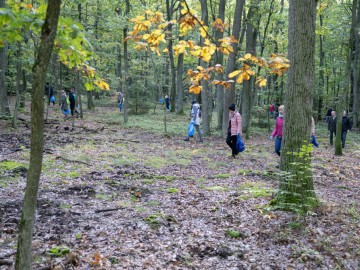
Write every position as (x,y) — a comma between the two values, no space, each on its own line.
(233,234)
(222,175)
(254,190)
(148,181)
(65,206)
(217,188)
(167,178)
(172,190)
(70,174)
(9,165)
(58,251)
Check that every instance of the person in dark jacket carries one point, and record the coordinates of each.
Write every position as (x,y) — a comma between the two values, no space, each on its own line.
(332,126)
(346,125)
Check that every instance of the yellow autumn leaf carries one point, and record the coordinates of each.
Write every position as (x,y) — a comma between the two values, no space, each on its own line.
(247,56)
(234,73)
(203,31)
(263,83)
(245,76)
(195,89)
(239,79)
(102,85)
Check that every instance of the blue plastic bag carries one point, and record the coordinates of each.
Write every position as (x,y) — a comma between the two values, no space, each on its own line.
(52,99)
(313,141)
(240,146)
(191,129)
(161,101)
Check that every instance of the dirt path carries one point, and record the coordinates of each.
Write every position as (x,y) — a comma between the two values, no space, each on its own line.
(130,199)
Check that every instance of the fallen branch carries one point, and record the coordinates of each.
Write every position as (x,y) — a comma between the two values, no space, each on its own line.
(108,209)
(73,160)
(6,262)
(7,255)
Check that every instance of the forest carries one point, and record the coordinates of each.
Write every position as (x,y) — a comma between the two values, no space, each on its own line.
(179,134)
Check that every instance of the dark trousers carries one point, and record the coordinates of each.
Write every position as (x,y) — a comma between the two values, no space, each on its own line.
(332,133)
(343,138)
(278,145)
(231,142)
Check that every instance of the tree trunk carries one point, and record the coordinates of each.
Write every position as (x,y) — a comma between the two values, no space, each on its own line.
(321,72)
(90,102)
(4,103)
(248,86)
(342,97)
(179,84)
(356,75)
(296,189)
(220,77)
(229,96)
(126,67)
(18,85)
(48,33)
(205,115)
(169,12)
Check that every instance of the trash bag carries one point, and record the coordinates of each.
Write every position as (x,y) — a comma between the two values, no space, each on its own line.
(313,141)
(240,146)
(191,129)
(52,99)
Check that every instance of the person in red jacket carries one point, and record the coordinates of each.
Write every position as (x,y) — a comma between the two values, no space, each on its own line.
(278,130)
(271,110)
(234,129)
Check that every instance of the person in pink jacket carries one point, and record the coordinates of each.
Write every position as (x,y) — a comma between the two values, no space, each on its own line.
(234,129)
(278,130)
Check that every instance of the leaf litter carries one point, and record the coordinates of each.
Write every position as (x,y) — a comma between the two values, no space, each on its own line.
(137,204)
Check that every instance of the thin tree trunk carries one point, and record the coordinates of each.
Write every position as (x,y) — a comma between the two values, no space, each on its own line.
(18,85)
(229,96)
(220,77)
(321,71)
(179,84)
(356,70)
(126,67)
(169,12)
(4,103)
(342,97)
(26,225)
(205,115)
(248,86)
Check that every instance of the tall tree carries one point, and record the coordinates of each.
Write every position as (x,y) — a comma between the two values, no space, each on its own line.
(296,186)
(356,72)
(220,60)
(342,96)
(48,33)
(169,12)
(126,65)
(249,86)
(206,117)
(229,95)
(4,104)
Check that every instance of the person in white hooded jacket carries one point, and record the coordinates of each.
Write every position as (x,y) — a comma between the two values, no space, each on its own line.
(195,115)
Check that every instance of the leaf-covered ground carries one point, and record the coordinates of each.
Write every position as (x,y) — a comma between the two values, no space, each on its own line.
(116,197)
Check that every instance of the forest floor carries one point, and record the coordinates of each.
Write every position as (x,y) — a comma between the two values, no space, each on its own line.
(123,197)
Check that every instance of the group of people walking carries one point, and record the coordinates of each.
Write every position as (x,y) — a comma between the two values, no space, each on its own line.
(235,127)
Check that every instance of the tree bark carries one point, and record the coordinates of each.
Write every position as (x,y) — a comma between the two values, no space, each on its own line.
(126,67)
(296,189)
(248,86)
(220,77)
(169,12)
(205,115)
(342,97)
(4,103)
(48,33)
(229,95)
(356,75)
